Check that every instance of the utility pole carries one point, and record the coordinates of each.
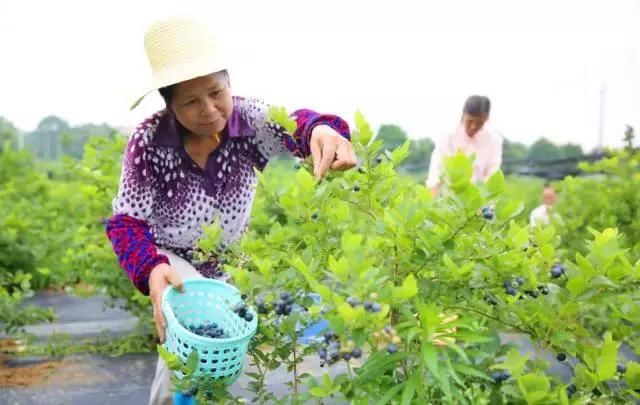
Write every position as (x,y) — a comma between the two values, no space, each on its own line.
(603,91)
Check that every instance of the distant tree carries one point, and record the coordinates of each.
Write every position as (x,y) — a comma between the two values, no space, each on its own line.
(571,150)
(514,151)
(543,149)
(8,133)
(392,135)
(420,156)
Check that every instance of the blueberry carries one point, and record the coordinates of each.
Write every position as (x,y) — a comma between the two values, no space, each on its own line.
(191,392)
(520,280)
(543,289)
(334,355)
(218,274)
(532,293)
(496,376)
(346,356)
(392,348)
(561,357)
(287,309)
(361,170)
(243,297)
(285,296)
(356,188)
(262,309)
(571,389)
(353,301)
(510,290)
(379,159)
(322,353)
(375,307)
(242,312)
(621,368)
(356,353)
(507,283)
(279,310)
(505,375)
(388,329)
(368,305)
(557,270)
(297,166)
(315,216)
(248,317)
(487,213)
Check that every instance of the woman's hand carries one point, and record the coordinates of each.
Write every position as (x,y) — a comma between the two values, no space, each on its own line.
(330,150)
(160,278)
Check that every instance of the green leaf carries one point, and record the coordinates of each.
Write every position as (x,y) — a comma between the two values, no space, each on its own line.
(347,313)
(410,389)
(577,285)
(408,289)
(632,376)
(470,371)
(364,133)
(585,379)
(534,387)
(521,239)
(192,362)
(431,359)
(505,210)
(607,362)
(390,394)
(495,184)
(318,392)
(458,169)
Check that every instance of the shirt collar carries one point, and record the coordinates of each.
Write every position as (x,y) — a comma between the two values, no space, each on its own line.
(169,131)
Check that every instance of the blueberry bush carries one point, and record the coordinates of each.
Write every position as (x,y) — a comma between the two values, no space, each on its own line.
(419,292)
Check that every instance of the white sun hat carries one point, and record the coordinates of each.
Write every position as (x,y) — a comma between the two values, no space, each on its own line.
(179,49)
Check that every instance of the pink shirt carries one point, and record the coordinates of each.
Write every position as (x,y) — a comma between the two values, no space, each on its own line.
(486,145)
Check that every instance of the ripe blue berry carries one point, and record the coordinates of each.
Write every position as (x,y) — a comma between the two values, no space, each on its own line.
(561,357)
(375,307)
(392,348)
(356,353)
(510,290)
(557,271)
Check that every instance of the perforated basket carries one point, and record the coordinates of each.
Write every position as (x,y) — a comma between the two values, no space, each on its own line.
(206,301)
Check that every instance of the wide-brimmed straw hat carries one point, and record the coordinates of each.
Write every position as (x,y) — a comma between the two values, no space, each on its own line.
(179,49)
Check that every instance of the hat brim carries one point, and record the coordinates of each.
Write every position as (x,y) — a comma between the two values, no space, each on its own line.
(178,74)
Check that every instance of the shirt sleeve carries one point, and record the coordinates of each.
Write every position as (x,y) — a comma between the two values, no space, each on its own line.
(495,157)
(272,139)
(435,164)
(128,229)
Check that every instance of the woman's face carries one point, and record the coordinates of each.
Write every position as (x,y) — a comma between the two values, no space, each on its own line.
(473,123)
(203,105)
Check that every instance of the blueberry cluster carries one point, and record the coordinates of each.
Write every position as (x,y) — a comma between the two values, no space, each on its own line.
(284,304)
(211,330)
(557,270)
(371,305)
(331,350)
(487,213)
(389,335)
(500,376)
(511,286)
(242,311)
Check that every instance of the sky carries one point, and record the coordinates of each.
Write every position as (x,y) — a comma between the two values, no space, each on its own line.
(543,63)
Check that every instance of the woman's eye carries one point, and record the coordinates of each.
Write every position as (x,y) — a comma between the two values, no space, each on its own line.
(190,102)
(216,93)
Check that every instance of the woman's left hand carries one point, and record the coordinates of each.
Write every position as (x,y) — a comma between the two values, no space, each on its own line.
(330,150)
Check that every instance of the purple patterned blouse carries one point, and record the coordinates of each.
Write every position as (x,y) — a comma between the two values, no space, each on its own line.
(164,198)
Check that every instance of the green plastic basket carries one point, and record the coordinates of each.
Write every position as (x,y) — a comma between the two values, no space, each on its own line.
(206,301)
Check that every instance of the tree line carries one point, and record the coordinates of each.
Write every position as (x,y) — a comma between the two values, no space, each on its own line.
(54,138)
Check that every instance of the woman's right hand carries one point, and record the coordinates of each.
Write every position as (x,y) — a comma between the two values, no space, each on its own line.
(160,278)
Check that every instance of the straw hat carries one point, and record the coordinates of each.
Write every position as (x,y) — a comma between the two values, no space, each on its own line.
(179,49)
